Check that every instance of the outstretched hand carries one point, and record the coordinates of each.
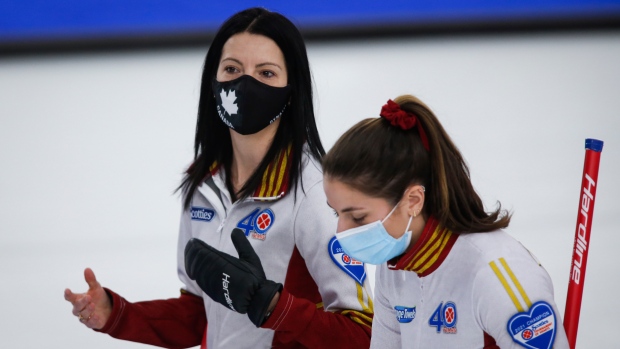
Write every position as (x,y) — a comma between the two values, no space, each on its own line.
(236,283)
(93,308)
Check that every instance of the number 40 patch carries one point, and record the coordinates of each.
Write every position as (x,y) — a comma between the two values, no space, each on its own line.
(444,318)
(257,223)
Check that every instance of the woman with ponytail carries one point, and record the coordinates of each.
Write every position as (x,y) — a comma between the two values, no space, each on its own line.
(448,276)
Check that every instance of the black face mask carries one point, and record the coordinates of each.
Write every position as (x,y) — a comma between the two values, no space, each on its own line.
(247,106)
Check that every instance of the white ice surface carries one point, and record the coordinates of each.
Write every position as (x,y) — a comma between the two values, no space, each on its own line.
(93,145)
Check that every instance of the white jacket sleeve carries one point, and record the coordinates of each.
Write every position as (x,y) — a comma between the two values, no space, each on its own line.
(513,299)
(315,226)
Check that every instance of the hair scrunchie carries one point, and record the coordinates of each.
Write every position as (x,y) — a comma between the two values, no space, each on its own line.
(392,112)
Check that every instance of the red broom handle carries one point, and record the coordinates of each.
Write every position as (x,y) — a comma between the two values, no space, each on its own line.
(581,247)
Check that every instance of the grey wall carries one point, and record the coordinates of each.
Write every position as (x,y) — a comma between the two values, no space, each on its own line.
(92,147)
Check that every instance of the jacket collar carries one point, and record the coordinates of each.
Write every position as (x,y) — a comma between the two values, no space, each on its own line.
(427,254)
(275,179)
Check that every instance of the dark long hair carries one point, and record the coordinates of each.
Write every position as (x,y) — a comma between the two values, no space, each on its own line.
(382,160)
(297,126)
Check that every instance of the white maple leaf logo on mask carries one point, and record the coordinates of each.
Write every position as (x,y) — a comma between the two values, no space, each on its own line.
(228,102)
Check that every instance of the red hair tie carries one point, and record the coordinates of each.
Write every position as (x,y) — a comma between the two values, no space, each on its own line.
(405,120)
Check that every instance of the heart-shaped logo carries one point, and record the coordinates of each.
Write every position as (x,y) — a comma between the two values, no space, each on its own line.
(353,267)
(534,329)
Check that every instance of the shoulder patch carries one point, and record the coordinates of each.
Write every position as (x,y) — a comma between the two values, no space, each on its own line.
(534,329)
(352,267)
(202,214)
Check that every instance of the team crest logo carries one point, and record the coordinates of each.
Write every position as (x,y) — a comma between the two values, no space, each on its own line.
(404,314)
(352,267)
(202,214)
(257,223)
(444,318)
(534,329)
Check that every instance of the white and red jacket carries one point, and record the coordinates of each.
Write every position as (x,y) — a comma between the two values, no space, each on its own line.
(325,303)
(473,290)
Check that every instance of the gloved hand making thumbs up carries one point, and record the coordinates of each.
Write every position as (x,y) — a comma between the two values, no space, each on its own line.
(237,283)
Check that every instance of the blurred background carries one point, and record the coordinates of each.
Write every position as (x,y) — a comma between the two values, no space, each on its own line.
(98,103)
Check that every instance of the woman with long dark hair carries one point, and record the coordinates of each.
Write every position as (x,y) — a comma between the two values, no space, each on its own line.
(448,276)
(256,247)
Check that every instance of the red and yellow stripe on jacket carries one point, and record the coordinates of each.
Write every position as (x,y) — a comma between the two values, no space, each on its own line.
(275,180)
(365,316)
(429,251)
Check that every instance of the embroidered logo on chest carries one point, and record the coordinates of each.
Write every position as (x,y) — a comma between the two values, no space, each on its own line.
(202,214)
(257,223)
(444,318)
(534,329)
(352,267)
(404,314)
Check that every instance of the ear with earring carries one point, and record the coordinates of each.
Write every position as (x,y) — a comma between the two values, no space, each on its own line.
(417,212)
(421,189)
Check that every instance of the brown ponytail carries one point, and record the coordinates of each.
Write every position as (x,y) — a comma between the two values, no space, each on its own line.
(382,160)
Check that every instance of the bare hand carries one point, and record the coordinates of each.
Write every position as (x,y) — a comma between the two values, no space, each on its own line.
(93,308)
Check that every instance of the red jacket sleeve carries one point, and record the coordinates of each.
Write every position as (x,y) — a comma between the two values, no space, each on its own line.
(171,323)
(297,319)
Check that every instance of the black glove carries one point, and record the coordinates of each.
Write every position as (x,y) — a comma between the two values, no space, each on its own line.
(236,283)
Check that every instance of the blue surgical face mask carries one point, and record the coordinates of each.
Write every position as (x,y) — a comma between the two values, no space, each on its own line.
(372,244)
